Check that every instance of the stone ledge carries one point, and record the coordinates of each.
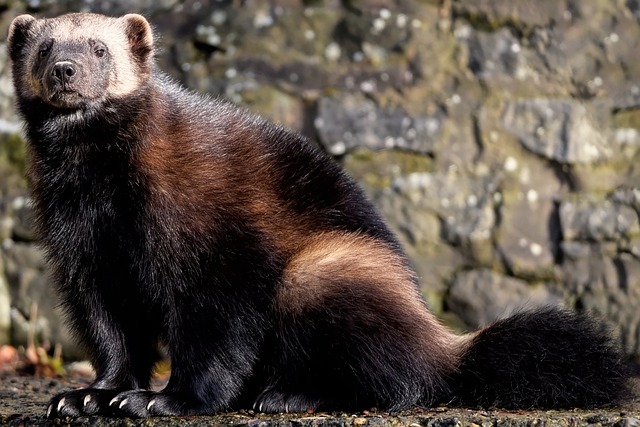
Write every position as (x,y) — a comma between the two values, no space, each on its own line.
(24,401)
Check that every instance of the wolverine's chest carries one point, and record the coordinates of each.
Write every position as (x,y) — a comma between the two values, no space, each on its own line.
(87,202)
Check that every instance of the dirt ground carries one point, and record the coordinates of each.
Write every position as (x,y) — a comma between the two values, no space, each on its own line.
(23,402)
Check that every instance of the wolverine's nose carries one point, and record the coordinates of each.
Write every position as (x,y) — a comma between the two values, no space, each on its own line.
(64,71)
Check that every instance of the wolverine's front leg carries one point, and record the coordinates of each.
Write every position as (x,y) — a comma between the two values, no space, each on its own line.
(122,351)
(217,330)
(212,357)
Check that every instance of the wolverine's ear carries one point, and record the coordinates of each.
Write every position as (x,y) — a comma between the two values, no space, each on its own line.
(18,34)
(140,37)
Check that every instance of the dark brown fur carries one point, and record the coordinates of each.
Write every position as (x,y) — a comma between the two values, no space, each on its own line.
(171,218)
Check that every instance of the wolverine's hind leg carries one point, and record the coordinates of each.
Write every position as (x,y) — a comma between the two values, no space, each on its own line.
(352,332)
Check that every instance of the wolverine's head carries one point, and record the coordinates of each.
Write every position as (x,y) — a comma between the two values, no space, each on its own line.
(76,60)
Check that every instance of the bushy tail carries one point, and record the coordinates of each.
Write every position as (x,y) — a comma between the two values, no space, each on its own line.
(548,358)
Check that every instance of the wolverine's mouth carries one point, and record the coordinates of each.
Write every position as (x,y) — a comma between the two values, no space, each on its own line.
(65,98)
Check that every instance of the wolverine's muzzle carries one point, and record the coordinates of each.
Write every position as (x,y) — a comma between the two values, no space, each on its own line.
(61,84)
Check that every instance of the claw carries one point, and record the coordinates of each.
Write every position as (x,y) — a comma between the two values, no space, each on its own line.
(60,404)
(124,402)
(151,403)
(113,401)
(49,410)
(86,400)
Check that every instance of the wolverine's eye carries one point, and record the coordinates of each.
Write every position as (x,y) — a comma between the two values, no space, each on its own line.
(99,49)
(45,48)
(44,51)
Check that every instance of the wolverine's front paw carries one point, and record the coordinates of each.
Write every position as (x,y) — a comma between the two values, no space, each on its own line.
(273,401)
(144,403)
(87,401)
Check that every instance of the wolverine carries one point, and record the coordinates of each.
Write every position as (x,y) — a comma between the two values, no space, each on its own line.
(173,220)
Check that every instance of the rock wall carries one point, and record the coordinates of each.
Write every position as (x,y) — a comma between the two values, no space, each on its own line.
(501,140)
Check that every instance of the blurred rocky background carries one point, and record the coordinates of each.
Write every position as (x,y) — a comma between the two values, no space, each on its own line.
(501,139)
